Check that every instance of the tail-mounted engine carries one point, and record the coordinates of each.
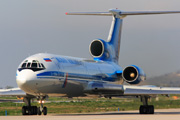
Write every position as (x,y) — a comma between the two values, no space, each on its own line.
(133,75)
(99,49)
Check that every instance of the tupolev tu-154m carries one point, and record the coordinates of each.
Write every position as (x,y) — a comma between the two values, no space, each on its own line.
(42,75)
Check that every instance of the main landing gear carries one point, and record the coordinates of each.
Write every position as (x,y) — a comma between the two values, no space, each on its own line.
(145,108)
(33,110)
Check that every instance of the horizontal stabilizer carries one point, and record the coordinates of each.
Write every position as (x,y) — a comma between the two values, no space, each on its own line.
(122,13)
(90,13)
(148,12)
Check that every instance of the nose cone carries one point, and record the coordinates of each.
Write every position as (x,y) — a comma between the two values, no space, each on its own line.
(25,80)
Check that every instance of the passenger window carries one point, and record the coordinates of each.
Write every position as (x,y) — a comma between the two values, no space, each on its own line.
(34,65)
(23,65)
(29,65)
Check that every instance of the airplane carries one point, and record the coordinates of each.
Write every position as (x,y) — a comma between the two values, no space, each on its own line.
(44,75)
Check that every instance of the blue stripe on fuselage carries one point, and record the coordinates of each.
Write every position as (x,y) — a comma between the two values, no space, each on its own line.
(51,74)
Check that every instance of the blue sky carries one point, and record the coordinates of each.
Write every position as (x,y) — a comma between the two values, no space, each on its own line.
(28,27)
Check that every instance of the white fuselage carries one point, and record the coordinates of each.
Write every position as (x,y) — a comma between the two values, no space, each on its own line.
(47,74)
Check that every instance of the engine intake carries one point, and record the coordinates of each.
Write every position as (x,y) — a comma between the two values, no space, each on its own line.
(99,49)
(133,75)
(96,48)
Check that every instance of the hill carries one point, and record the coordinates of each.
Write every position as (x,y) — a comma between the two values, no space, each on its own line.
(170,80)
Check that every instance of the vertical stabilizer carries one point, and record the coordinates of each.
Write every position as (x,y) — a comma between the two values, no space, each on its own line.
(114,37)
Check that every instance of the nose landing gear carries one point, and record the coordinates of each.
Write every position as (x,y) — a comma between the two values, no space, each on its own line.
(41,109)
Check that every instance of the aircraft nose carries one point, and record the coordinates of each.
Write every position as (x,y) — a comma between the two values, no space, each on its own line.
(25,80)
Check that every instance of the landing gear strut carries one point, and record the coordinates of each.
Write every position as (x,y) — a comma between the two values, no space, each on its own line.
(41,109)
(145,108)
(33,110)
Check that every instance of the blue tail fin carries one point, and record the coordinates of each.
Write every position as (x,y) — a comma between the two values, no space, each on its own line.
(114,37)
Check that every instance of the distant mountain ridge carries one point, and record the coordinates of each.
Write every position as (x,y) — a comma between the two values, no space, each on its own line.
(169,80)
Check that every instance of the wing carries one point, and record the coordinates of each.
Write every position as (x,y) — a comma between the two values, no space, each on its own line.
(128,90)
(12,92)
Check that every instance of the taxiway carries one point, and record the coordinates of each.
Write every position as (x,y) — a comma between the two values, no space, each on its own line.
(161,114)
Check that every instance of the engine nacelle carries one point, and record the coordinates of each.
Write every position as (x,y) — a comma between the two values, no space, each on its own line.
(99,49)
(133,74)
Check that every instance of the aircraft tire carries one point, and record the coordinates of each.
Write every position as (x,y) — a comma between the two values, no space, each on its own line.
(146,109)
(151,108)
(143,109)
(45,110)
(24,110)
(39,111)
(30,110)
(34,108)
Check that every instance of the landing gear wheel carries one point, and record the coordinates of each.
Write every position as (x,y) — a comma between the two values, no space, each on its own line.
(151,108)
(39,111)
(141,109)
(45,110)
(146,109)
(30,111)
(34,109)
(24,110)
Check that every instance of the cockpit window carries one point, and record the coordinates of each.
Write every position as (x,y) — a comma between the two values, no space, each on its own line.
(39,65)
(42,65)
(23,65)
(28,65)
(34,61)
(33,65)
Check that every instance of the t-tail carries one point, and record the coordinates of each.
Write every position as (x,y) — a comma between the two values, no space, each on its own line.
(109,50)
